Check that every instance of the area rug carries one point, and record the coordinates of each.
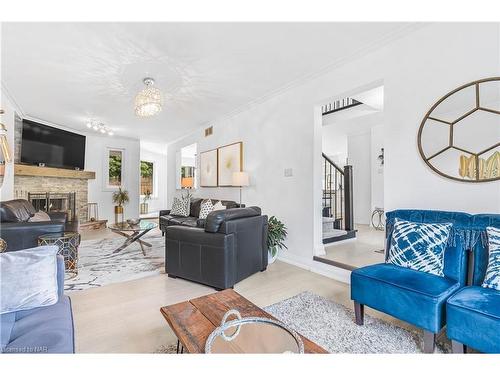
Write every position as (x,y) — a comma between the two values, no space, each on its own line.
(98,266)
(331,325)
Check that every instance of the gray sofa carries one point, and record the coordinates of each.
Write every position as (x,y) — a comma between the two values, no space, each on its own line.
(41,330)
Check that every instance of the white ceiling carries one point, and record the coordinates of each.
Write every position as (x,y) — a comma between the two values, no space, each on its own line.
(66,73)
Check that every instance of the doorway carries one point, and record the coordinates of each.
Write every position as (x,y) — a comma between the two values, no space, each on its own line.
(353,179)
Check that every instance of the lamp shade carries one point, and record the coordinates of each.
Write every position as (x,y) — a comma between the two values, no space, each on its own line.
(240,179)
(187,182)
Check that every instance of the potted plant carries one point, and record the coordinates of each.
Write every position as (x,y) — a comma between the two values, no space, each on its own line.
(276,234)
(120,197)
(144,204)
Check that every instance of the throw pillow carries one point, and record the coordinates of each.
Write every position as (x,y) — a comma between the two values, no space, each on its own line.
(219,206)
(29,279)
(180,207)
(492,278)
(39,216)
(419,246)
(205,208)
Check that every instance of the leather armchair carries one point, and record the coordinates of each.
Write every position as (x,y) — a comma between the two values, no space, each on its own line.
(231,247)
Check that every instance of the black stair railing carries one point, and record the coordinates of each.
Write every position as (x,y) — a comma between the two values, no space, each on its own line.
(337,194)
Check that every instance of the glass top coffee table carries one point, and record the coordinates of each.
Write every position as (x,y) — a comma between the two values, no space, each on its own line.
(133,233)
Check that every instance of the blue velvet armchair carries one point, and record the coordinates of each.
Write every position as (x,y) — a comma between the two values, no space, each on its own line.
(415,297)
(473,314)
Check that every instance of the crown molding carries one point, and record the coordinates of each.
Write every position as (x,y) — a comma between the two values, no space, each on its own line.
(10,98)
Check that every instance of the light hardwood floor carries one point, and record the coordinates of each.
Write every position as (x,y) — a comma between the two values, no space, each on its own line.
(125,317)
(358,252)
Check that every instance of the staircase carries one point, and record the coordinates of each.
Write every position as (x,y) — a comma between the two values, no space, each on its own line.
(338,221)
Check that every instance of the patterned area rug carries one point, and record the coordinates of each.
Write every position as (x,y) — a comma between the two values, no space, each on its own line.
(334,329)
(98,266)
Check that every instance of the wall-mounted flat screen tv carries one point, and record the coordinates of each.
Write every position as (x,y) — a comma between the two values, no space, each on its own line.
(42,144)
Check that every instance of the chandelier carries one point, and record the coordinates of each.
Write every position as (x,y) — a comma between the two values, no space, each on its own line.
(99,127)
(148,102)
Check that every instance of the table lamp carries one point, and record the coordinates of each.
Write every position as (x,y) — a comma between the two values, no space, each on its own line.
(240,179)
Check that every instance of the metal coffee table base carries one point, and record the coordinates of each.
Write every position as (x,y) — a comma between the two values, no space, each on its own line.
(131,238)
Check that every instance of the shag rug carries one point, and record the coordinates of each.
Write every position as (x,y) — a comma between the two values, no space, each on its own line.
(98,266)
(331,325)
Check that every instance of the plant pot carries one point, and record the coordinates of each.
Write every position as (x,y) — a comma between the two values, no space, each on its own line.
(144,208)
(270,258)
(119,214)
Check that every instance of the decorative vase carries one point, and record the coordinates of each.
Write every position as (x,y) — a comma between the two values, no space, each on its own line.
(119,214)
(270,258)
(144,208)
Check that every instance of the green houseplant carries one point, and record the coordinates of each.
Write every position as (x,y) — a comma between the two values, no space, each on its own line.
(276,234)
(120,197)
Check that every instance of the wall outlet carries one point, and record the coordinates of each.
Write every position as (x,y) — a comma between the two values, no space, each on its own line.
(288,172)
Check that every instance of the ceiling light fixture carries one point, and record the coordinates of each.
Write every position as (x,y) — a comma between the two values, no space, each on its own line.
(148,102)
(99,127)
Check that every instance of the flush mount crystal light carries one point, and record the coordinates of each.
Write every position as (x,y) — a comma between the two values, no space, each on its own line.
(149,101)
(99,127)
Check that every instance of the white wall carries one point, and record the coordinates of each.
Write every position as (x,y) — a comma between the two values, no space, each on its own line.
(159,199)
(96,160)
(359,155)
(285,132)
(377,171)
(334,145)
(7,189)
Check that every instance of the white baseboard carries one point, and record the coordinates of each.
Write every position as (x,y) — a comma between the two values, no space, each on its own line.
(323,269)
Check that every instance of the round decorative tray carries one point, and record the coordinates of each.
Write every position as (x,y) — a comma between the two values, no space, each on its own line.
(252,335)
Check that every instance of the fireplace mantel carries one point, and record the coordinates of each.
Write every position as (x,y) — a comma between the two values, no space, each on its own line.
(33,170)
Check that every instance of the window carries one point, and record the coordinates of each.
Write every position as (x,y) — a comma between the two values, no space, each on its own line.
(115,170)
(147,178)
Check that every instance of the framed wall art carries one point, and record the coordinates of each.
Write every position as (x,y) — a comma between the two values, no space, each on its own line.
(208,168)
(230,161)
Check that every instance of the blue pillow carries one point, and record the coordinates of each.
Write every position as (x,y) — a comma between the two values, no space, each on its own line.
(29,279)
(492,278)
(419,246)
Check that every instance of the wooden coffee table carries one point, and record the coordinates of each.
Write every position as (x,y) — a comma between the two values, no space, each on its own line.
(193,321)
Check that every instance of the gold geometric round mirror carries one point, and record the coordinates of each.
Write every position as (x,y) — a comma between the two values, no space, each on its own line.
(459,137)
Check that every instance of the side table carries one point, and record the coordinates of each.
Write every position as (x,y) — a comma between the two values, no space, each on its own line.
(68,243)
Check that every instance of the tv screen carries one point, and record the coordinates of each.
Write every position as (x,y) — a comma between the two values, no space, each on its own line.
(51,146)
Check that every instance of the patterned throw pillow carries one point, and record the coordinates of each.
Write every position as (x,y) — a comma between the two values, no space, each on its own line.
(492,278)
(205,208)
(180,207)
(219,206)
(419,246)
